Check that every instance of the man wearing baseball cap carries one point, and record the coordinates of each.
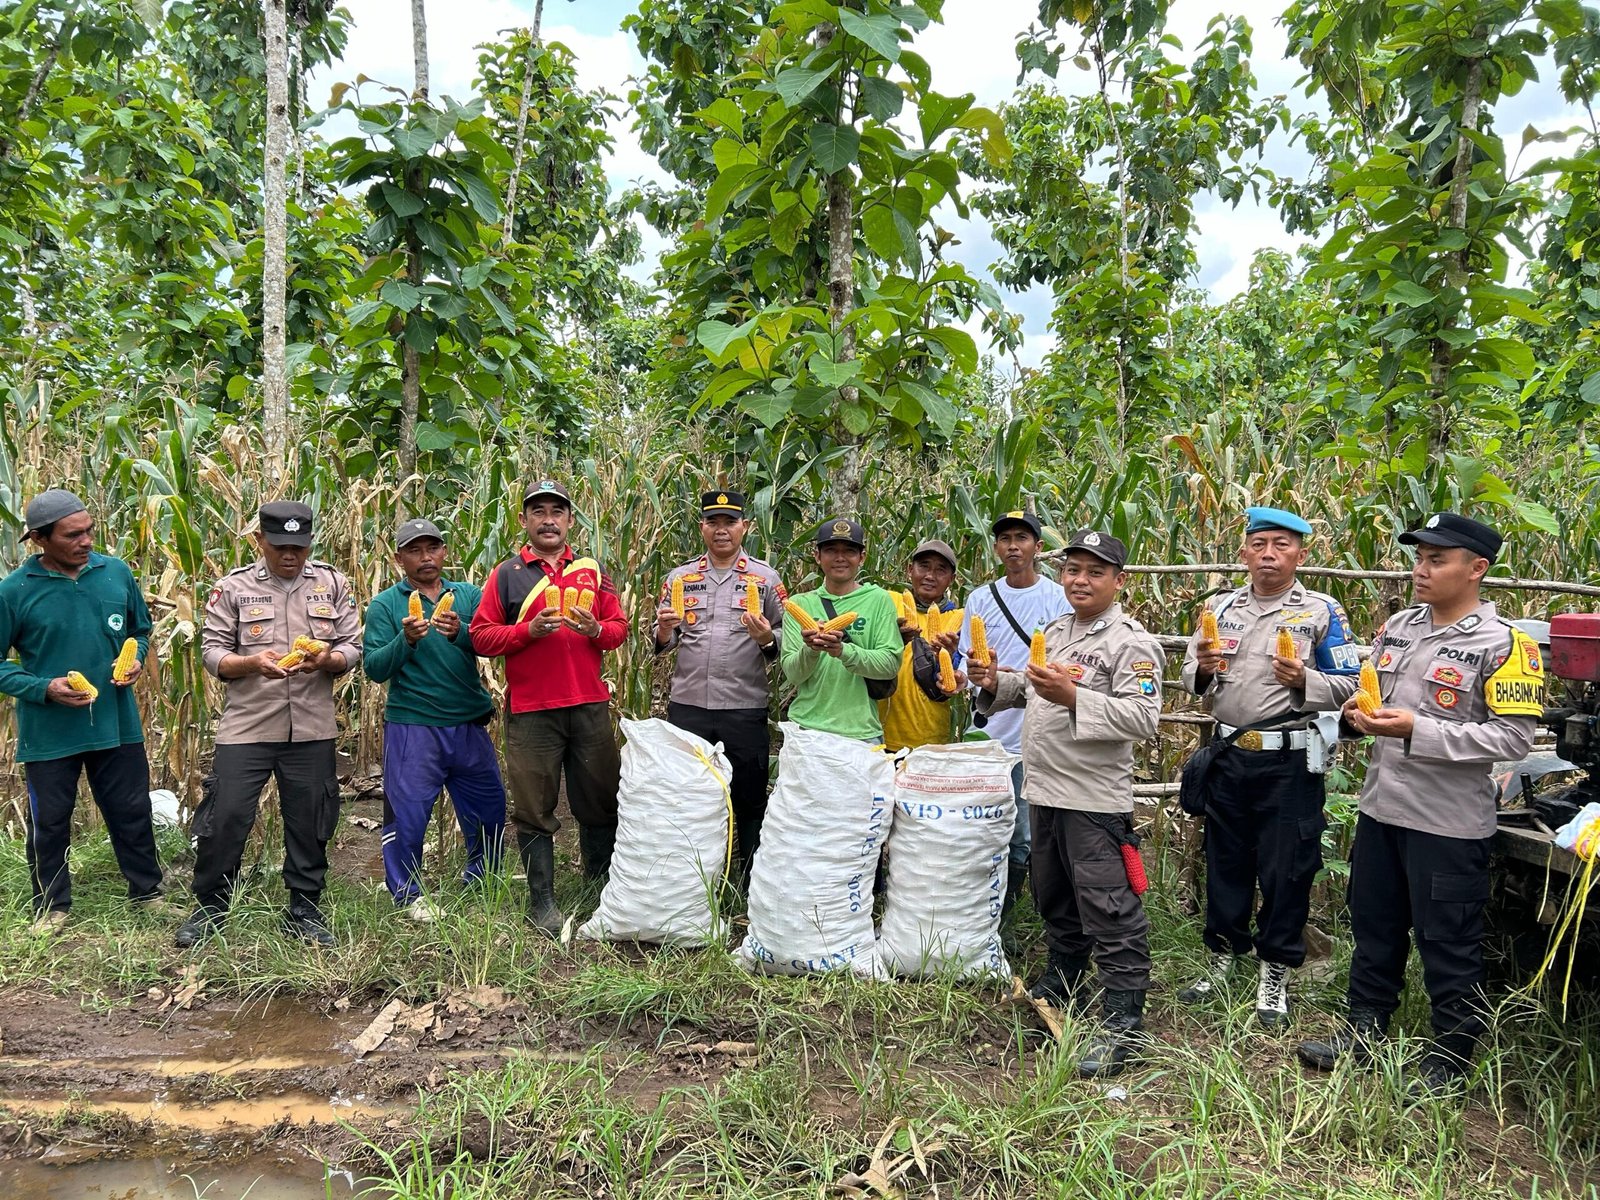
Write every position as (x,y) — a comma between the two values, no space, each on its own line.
(551,615)
(67,609)
(1012,607)
(277,721)
(1461,690)
(720,685)
(919,712)
(435,733)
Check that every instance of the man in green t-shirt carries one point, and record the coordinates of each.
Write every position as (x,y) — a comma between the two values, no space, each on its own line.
(830,670)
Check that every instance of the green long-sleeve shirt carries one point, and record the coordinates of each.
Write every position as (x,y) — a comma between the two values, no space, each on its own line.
(831,694)
(58,624)
(434,682)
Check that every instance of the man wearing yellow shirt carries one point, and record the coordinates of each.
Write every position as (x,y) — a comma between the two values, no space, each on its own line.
(919,714)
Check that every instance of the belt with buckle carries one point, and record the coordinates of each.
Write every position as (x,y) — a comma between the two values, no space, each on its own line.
(1265,739)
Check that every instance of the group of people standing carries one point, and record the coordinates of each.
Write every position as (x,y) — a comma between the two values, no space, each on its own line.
(1063,677)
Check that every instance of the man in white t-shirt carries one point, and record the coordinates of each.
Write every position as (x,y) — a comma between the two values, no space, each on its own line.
(1012,607)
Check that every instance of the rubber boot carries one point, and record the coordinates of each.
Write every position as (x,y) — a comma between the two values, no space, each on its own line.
(1446,1065)
(1359,1034)
(305,921)
(1016,880)
(539,861)
(595,844)
(1117,1037)
(1063,982)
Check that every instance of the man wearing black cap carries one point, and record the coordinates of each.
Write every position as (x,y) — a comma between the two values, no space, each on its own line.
(1012,607)
(720,688)
(277,722)
(1461,690)
(435,731)
(1098,693)
(560,722)
(919,714)
(67,608)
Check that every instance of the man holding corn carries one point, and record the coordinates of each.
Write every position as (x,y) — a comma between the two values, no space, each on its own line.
(69,613)
(435,731)
(1274,638)
(919,714)
(552,614)
(723,614)
(1452,689)
(277,633)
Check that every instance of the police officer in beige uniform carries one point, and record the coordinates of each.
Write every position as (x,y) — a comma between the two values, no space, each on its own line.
(276,722)
(1098,693)
(1264,818)
(1462,690)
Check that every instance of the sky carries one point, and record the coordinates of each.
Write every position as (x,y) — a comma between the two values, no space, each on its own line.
(972,51)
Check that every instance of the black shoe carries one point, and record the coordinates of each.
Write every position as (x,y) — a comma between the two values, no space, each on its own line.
(1446,1065)
(1356,1038)
(539,861)
(305,921)
(197,927)
(1117,1038)
(1062,982)
(595,844)
(1016,880)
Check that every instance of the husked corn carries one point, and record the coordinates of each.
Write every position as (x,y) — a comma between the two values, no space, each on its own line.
(1036,649)
(947,671)
(446,603)
(801,617)
(752,599)
(843,621)
(414,605)
(933,624)
(1369,697)
(586,600)
(677,597)
(552,597)
(1208,628)
(292,659)
(569,601)
(126,658)
(1286,647)
(980,640)
(78,683)
(309,646)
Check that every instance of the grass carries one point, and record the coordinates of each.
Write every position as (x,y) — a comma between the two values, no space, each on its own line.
(974,1101)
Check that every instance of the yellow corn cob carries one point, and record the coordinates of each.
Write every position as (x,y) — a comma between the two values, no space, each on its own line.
(677,597)
(908,606)
(78,683)
(1208,628)
(586,600)
(292,659)
(552,597)
(1369,697)
(802,618)
(446,603)
(414,605)
(1036,649)
(569,601)
(309,645)
(752,599)
(126,658)
(1286,646)
(947,671)
(980,640)
(843,621)
(933,625)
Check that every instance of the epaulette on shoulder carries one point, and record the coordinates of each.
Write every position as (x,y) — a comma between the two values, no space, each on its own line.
(243,569)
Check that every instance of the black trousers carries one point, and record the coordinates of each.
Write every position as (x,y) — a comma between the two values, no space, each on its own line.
(308,797)
(119,781)
(1081,891)
(541,747)
(1263,827)
(1402,882)
(748,745)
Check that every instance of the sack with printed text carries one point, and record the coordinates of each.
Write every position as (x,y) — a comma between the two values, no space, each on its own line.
(811,883)
(949,846)
(672,840)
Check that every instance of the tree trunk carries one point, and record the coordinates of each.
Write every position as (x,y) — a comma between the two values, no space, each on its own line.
(419,50)
(275,238)
(840,187)
(521,146)
(410,366)
(297,104)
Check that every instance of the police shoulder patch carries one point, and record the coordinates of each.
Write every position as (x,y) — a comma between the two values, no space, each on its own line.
(1516,687)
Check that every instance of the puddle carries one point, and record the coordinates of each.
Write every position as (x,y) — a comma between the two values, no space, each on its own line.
(214,1115)
(165,1179)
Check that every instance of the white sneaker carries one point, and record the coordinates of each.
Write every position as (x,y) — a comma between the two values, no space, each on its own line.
(423,911)
(1272,996)
(1214,978)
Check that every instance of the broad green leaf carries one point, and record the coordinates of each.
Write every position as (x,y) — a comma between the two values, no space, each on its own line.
(834,147)
(723,113)
(833,374)
(880,31)
(399,201)
(794,84)
(401,294)
(881,99)
(767,407)
(1412,295)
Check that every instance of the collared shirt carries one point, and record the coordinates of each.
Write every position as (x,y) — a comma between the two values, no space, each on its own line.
(1475,689)
(1034,608)
(433,681)
(719,664)
(1083,759)
(910,717)
(1244,692)
(59,623)
(831,693)
(253,610)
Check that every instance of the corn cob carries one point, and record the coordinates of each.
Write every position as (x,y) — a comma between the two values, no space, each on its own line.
(1208,629)
(980,640)
(843,621)
(586,600)
(677,597)
(1369,696)
(752,599)
(552,597)
(1036,649)
(127,657)
(908,606)
(309,645)
(292,659)
(801,617)
(414,606)
(78,683)
(933,625)
(446,603)
(947,671)
(569,601)
(1286,646)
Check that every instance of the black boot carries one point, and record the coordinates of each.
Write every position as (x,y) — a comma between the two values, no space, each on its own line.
(595,843)
(1063,982)
(305,921)
(1446,1065)
(1117,1037)
(1365,1028)
(199,925)
(1016,880)
(539,861)
(749,831)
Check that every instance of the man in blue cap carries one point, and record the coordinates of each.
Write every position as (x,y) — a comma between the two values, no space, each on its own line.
(1264,816)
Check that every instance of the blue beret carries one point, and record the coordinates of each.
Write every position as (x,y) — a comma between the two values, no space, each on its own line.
(1257,519)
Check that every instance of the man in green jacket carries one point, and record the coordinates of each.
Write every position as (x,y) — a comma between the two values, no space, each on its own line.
(435,722)
(68,609)
(830,670)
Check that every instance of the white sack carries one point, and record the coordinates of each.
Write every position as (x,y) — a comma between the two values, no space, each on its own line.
(672,840)
(948,851)
(811,884)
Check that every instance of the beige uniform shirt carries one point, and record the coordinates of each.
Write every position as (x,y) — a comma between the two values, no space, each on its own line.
(253,610)
(1084,759)
(719,664)
(1476,689)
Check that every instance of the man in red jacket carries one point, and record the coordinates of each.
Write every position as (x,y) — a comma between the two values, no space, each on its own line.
(560,706)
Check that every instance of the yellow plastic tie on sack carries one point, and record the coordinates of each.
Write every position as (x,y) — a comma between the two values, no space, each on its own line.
(727,799)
